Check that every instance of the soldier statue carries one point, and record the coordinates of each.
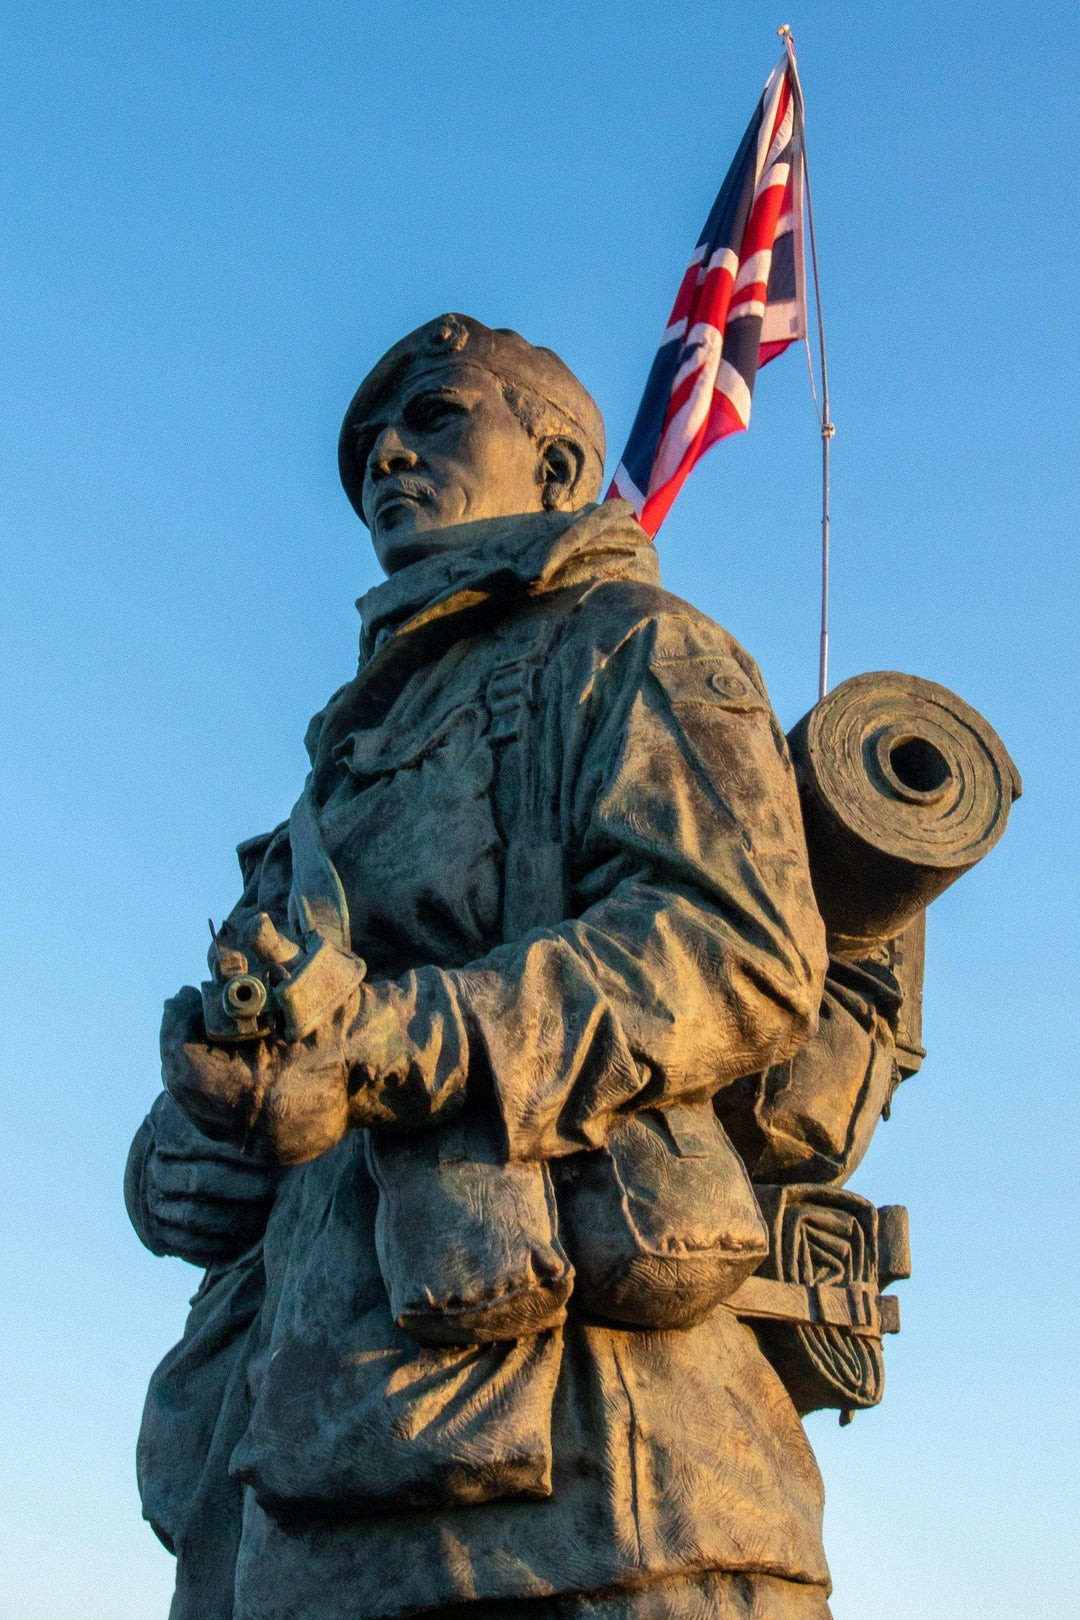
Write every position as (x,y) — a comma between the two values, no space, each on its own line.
(513,1016)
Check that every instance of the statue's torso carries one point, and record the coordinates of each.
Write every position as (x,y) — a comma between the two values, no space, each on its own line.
(669,1450)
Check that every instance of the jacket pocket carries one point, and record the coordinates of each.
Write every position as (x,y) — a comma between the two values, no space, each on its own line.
(349,1414)
(662,1223)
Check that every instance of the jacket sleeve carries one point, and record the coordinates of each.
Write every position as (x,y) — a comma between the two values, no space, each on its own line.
(695,954)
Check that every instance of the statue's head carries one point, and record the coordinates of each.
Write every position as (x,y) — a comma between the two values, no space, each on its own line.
(459,422)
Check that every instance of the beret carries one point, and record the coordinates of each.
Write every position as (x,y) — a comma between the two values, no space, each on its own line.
(455,340)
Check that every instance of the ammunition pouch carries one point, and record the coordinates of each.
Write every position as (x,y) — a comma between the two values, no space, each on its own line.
(661,1224)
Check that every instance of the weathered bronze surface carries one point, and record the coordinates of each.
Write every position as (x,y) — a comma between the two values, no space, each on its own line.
(513,1122)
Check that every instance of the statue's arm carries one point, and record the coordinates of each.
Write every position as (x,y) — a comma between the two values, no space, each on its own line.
(696,954)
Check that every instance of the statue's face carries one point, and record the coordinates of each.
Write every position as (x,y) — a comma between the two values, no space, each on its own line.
(446,449)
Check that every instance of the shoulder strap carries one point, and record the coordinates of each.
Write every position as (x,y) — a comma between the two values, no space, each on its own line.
(533,877)
(316,900)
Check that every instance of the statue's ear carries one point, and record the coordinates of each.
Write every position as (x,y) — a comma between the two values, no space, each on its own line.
(562,467)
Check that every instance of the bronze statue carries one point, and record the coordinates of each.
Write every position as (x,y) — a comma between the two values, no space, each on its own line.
(512,1123)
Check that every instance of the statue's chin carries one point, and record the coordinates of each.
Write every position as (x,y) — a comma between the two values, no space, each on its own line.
(407,533)
(398,550)
(402,546)
(408,544)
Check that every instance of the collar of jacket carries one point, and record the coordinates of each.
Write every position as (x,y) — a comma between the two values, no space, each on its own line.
(409,619)
(507,557)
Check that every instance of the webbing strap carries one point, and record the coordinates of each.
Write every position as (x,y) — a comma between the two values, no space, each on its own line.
(317,901)
(533,874)
(856,1307)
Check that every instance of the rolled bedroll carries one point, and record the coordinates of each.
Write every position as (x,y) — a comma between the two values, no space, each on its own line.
(904,788)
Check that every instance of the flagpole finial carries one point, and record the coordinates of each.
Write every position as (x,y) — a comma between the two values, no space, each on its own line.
(789,40)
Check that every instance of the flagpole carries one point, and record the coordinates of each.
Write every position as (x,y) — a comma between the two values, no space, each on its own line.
(828,427)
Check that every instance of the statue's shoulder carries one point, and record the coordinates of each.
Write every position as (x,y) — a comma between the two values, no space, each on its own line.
(612,611)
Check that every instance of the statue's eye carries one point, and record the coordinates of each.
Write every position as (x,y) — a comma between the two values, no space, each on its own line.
(365,444)
(432,411)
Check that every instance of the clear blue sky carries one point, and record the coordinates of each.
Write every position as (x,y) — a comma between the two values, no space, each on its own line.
(215,217)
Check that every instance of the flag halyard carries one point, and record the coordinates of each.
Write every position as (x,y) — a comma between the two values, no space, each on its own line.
(741,303)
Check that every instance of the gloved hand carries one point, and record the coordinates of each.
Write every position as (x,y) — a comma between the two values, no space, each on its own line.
(281,1101)
(191,1197)
(392,1053)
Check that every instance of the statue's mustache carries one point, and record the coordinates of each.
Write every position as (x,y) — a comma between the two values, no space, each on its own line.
(414,489)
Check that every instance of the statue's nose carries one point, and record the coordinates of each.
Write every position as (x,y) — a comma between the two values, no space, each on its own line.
(389,454)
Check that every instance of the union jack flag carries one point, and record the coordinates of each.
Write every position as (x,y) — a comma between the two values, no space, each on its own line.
(741,303)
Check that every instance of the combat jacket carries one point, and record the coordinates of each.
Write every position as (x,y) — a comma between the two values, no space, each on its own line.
(568,839)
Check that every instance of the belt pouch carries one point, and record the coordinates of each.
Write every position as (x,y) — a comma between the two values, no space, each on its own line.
(468,1245)
(662,1223)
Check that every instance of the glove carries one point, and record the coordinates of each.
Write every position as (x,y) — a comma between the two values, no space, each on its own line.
(191,1197)
(282,1102)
